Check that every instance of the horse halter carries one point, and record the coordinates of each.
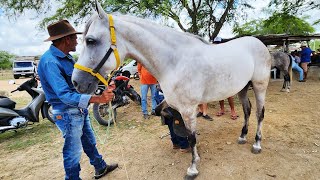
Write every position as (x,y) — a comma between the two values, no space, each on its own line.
(113,48)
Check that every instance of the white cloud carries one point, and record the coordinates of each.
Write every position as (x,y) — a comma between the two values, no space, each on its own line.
(21,36)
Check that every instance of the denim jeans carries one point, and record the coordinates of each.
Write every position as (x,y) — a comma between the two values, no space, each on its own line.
(296,67)
(78,134)
(144,91)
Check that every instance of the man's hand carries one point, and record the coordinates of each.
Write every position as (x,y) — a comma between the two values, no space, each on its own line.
(105,97)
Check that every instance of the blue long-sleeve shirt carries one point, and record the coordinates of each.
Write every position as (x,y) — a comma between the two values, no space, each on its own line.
(306,54)
(55,70)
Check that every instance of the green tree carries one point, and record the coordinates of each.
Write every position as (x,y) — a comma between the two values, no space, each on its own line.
(278,23)
(5,60)
(201,17)
(295,7)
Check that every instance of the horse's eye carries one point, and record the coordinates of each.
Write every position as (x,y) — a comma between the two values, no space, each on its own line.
(90,41)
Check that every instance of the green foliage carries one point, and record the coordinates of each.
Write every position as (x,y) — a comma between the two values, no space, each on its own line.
(5,60)
(295,7)
(315,45)
(278,23)
(204,18)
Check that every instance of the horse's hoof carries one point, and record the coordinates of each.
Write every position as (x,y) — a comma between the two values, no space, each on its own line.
(242,140)
(288,90)
(256,150)
(192,172)
(283,90)
(187,177)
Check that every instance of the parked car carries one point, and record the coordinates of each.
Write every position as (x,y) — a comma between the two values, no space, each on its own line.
(25,68)
(130,70)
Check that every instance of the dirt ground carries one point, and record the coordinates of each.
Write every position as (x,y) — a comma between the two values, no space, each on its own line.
(291,140)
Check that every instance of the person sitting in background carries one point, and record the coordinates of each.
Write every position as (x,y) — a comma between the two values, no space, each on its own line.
(295,59)
(178,142)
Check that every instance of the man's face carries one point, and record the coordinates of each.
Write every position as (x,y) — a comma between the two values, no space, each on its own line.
(72,42)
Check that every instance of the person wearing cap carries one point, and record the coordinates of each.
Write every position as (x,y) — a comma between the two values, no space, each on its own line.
(69,107)
(233,116)
(305,59)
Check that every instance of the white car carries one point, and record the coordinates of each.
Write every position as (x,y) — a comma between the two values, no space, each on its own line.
(130,69)
(24,68)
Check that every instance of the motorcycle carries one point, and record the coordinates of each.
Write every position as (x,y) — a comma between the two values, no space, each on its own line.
(11,118)
(123,92)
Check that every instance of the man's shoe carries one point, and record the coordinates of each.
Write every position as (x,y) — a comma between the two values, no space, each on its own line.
(146,116)
(105,171)
(302,80)
(199,114)
(207,117)
(153,113)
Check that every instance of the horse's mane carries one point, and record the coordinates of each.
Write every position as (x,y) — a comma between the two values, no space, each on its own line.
(147,22)
(88,24)
(143,22)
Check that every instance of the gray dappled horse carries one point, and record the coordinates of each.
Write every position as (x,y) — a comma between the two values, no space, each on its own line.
(282,61)
(190,70)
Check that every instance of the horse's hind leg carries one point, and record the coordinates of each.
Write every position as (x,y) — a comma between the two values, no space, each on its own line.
(286,82)
(192,171)
(246,106)
(190,123)
(260,89)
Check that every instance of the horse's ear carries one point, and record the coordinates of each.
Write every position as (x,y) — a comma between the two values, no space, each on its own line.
(99,10)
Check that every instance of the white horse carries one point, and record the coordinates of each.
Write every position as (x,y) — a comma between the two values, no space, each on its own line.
(189,70)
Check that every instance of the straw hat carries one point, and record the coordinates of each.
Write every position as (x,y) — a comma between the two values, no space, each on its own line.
(60,29)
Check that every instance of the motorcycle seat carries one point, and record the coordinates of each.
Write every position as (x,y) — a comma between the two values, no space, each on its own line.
(7,103)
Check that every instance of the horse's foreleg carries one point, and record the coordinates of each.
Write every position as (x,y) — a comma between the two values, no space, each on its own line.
(192,171)
(260,100)
(246,106)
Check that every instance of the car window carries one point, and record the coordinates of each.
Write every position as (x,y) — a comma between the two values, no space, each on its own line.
(22,64)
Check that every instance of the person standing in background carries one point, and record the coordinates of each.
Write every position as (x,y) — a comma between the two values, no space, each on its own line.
(147,81)
(221,112)
(305,59)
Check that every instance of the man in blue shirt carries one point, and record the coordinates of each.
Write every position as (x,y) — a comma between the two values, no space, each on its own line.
(305,59)
(69,107)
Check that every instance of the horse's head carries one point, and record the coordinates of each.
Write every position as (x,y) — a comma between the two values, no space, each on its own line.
(98,57)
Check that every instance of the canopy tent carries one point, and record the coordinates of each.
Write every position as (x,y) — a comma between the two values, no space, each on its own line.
(281,39)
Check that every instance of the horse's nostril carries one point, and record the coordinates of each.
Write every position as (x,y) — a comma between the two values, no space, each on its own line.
(75,83)
(89,85)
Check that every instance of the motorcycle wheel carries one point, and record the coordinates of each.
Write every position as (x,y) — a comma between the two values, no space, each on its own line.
(46,110)
(102,115)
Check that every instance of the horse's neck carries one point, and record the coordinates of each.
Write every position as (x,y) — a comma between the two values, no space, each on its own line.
(149,44)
